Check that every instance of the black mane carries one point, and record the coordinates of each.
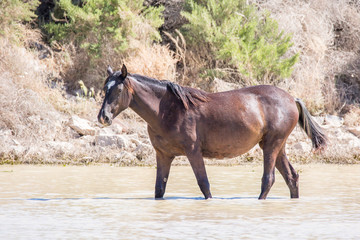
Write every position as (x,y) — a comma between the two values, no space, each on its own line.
(149,80)
(185,94)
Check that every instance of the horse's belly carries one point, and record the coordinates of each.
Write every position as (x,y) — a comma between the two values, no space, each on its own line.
(228,150)
(227,140)
(221,154)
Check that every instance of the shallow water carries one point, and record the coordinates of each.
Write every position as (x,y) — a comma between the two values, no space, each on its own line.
(103,202)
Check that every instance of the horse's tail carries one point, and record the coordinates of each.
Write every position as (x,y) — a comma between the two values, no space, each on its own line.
(312,129)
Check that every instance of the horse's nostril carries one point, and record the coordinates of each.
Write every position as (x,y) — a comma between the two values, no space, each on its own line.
(106,118)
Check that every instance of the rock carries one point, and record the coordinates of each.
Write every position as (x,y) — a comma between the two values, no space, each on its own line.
(111,140)
(81,126)
(86,141)
(39,151)
(345,136)
(355,131)
(60,146)
(333,121)
(5,132)
(116,128)
(105,131)
(135,141)
(124,157)
(6,140)
(143,150)
(18,150)
(354,143)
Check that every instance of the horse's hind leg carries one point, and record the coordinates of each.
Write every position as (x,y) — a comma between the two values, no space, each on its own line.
(271,150)
(197,163)
(268,178)
(288,173)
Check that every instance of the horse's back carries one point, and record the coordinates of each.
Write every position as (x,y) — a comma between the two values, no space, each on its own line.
(265,99)
(267,92)
(234,121)
(254,99)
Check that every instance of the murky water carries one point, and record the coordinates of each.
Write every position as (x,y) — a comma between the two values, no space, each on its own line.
(103,202)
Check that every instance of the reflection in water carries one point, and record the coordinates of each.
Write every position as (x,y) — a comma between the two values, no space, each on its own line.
(42,202)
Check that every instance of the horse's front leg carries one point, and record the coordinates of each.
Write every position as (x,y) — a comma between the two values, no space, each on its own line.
(162,174)
(197,163)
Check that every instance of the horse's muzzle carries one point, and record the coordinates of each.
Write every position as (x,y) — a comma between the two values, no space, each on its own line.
(104,118)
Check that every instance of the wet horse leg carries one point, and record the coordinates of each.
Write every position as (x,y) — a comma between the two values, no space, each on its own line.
(162,174)
(270,151)
(197,163)
(288,173)
(268,177)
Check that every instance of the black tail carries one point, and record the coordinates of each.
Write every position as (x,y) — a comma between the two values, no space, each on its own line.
(312,129)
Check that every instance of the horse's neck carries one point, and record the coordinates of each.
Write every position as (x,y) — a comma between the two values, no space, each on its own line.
(146,101)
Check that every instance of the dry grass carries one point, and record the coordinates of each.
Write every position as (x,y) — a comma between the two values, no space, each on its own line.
(352,117)
(30,109)
(24,102)
(155,61)
(327,36)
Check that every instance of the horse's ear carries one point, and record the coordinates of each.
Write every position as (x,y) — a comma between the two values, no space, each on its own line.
(109,71)
(123,71)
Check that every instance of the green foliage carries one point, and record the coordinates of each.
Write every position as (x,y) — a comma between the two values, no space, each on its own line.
(99,21)
(240,36)
(13,13)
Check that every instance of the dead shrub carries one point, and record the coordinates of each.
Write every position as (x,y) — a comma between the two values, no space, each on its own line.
(25,108)
(156,61)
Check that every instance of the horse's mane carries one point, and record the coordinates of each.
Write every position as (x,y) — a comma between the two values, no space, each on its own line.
(188,96)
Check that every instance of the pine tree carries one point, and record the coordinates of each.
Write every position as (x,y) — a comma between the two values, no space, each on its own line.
(98,21)
(241,36)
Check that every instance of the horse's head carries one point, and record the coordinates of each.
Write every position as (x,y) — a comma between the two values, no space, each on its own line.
(117,95)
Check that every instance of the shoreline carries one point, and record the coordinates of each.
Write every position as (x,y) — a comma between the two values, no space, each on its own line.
(179,161)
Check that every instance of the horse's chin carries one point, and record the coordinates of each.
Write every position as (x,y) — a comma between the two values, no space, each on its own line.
(115,114)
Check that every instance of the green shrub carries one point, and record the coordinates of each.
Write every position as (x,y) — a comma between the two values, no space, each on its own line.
(99,21)
(240,37)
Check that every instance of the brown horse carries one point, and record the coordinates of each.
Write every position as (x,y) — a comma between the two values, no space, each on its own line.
(197,124)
